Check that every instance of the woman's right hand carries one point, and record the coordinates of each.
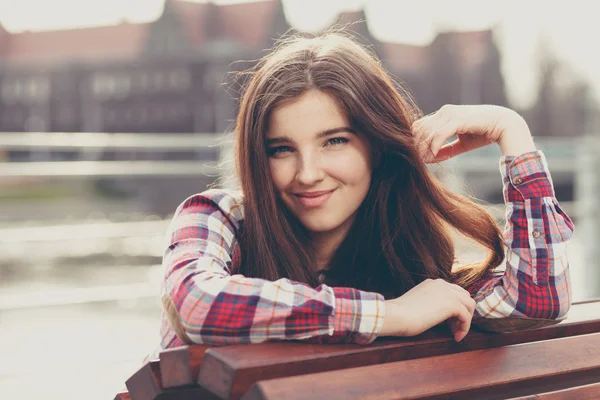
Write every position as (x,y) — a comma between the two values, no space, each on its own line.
(428,304)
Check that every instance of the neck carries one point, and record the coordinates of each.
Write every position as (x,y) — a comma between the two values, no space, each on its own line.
(326,243)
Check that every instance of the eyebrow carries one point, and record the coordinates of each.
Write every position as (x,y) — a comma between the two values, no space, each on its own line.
(320,135)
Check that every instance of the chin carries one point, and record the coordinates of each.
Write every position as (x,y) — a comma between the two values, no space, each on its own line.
(319,226)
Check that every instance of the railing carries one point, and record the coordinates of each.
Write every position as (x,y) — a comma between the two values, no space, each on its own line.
(86,144)
(91,230)
(114,169)
(560,151)
(87,141)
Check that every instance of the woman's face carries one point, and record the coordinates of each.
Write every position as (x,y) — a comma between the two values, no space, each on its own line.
(321,170)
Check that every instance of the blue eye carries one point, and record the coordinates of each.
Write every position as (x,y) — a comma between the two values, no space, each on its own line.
(278,150)
(337,141)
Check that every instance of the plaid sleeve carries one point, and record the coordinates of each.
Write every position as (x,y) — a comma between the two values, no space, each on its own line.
(535,288)
(208,303)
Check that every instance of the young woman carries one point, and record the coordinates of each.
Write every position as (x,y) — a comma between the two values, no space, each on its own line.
(341,234)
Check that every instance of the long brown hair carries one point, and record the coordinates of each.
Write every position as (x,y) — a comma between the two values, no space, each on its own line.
(405,223)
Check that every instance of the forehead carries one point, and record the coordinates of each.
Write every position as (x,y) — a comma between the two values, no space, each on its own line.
(308,114)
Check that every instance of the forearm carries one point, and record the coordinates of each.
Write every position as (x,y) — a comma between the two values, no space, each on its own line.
(217,309)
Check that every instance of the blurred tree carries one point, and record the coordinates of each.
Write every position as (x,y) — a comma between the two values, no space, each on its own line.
(166,37)
(542,110)
(493,90)
(444,73)
(563,99)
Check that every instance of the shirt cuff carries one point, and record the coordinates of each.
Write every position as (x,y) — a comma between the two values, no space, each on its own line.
(526,176)
(358,315)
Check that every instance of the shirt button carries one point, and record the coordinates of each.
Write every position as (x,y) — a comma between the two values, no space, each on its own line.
(321,278)
(536,234)
(518,181)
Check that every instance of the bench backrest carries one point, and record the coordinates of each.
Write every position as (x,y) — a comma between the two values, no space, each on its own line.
(229,372)
(498,373)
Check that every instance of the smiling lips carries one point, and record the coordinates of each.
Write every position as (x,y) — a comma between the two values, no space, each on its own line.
(313,199)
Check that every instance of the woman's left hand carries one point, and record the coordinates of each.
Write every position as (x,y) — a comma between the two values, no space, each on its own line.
(474,126)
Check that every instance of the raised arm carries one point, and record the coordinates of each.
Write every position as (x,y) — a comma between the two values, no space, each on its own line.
(204,301)
(535,288)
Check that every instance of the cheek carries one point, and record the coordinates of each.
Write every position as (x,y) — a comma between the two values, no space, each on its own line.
(281,173)
(352,167)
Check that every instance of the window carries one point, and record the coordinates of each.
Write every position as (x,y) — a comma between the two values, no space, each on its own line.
(180,79)
(106,86)
(32,89)
(103,85)
(122,86)
(177,111)
(158,81)
(9,96)
(143,81)
(36,89)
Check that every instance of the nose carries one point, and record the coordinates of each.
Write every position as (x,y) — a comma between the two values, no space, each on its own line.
(309,170)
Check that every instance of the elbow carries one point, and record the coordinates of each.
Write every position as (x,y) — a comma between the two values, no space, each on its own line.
(561,309)
(178,324)
(186,309)
(191,327)
(544,307)
(532,312)
(551,301)
(535,313)
(198,316)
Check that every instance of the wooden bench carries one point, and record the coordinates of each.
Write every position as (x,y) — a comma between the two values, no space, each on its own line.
(558,360)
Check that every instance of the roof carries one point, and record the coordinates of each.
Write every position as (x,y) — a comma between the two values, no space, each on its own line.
(193,17)
(4,37)
(118,41)
(356,21)
(404,57)
(471,46)
(248,24)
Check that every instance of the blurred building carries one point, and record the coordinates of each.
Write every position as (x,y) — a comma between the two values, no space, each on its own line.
(167,76)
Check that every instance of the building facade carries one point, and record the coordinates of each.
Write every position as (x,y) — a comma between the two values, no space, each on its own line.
(174,75)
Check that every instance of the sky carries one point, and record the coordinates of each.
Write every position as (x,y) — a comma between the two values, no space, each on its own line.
(567,26)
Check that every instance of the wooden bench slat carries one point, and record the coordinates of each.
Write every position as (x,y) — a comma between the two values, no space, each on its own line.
(491,374)
(585,392)
(145,384)
(230,371)
(180,366)
(186,393)
(123,396)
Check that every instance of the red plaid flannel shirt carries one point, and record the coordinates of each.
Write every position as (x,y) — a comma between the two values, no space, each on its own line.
(205,301)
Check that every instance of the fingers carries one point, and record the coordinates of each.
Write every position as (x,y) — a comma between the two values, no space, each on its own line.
(465,142)
(460,323)
(453,286)
(461,328)
(431,132)
(421,129)
(450,150)
(465,298)
(474,126)
(438,138)
(434,301)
